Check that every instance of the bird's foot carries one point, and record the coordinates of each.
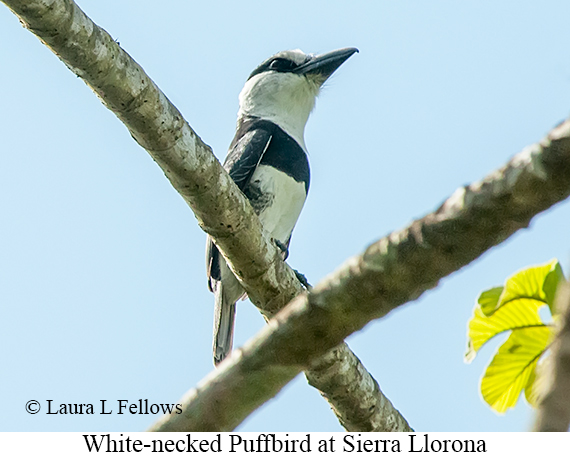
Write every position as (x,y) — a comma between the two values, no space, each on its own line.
(285,252)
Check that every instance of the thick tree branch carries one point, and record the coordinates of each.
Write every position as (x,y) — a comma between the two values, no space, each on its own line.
(219,206)
(389,273)
(354,395)
(553,413)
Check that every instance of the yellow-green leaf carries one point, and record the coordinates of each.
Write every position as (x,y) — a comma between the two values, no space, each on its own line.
(513,366)
(536,384)
(551,282)
(489,299)
(519,314)
(530,283)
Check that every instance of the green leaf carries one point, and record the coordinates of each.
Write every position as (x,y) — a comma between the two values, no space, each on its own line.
(536,384)
(513,366)
(521,313)
(550,285)
(513,306)
(538,282)
(489,299)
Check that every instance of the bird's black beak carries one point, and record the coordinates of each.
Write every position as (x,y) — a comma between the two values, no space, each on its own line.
(324,65)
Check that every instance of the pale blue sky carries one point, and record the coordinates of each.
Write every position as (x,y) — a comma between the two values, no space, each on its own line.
(102,281)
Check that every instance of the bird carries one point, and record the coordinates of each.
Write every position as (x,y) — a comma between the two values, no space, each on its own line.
(267,159)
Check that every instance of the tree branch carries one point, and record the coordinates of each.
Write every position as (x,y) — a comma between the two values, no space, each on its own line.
(354,395)
(188,163)
(553,413)
(389,273)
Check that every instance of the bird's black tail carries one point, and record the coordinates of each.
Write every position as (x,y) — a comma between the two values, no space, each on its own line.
(224,316)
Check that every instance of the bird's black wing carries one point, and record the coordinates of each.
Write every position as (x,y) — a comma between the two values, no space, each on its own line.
(246,151)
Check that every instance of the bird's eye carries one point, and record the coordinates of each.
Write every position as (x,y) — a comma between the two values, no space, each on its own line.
(280,64)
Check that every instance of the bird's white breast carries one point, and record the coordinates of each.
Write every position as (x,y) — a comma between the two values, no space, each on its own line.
(287,199)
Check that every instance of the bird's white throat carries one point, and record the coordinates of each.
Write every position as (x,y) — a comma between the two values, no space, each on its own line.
(286,99)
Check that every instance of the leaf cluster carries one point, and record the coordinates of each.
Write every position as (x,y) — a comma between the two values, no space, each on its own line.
(514,308)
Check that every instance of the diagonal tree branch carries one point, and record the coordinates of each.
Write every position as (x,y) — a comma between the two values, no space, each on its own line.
(354,395)
(389,273)
(221,209)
